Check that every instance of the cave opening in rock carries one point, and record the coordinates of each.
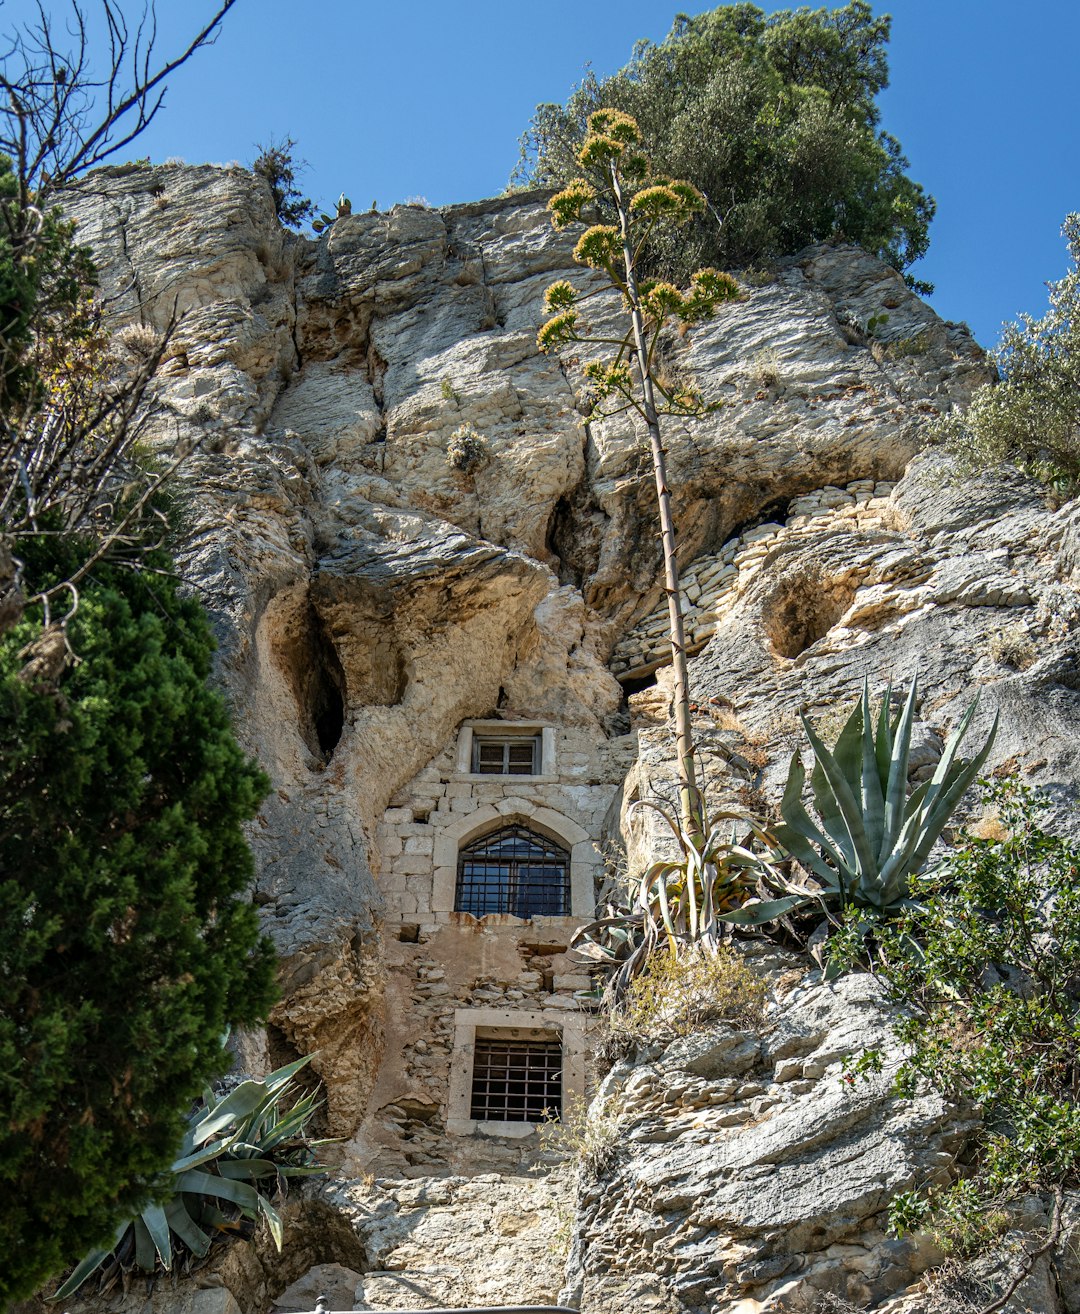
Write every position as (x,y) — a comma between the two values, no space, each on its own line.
(803,608)
(772,513)
(633,684)
(328,712)
(308,657)
(575,533)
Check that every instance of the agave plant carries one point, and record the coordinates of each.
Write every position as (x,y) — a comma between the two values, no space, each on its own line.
(237,1153)
(872,834)
(688,901)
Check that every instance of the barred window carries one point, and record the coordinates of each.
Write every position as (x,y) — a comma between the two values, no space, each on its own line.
(513,870)
(516,1080)
(513,755)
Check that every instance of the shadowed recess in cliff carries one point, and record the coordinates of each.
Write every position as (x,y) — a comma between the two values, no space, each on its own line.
(803,608)
(575,535)
(307,657)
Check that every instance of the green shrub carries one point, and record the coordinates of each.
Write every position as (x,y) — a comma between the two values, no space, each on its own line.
(987,970)
(125,949)
(277,163)
(774,118)
(588,1134)
(676,996)
(1032,417)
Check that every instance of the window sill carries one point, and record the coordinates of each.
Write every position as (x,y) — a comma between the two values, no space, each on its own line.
(494,778)
(473,1127)
(508,919)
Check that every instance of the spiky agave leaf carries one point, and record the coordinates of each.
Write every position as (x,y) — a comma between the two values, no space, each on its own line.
(248,1139)
(873,833)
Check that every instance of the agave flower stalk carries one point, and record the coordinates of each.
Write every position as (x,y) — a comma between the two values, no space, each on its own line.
(619,171)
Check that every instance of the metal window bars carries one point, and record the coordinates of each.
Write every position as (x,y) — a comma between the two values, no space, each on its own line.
(513,870)
(516,1080)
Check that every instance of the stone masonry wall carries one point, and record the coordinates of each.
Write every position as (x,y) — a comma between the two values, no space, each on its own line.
(713,581)
(439,961)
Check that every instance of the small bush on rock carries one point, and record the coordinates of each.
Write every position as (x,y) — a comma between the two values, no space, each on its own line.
(589,1134)
(1032,417)
(1012,646)
(277,163)
(986,968)
(467,450)
(674,997)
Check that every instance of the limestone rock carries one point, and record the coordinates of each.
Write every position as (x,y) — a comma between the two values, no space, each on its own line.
(369,599)
(456,1242)
(750,1172)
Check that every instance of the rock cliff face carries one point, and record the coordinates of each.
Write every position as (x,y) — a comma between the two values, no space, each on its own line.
(371,601)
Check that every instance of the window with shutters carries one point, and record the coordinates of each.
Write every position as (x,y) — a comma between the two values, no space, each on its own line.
(516,755)
(516,1080)
(513,870)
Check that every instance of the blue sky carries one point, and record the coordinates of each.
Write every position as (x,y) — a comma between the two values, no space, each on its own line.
(416,98)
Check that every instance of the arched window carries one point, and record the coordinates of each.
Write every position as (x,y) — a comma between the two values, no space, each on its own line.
(513,870)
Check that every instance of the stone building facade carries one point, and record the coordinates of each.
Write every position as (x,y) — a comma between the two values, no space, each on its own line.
(489,860)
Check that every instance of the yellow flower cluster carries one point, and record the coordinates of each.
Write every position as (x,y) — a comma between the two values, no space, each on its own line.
(558,332)
(565,206)
(607,378)
(599,247)
(559,296)
(616,124)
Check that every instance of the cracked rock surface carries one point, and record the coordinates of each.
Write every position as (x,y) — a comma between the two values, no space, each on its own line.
(369,598)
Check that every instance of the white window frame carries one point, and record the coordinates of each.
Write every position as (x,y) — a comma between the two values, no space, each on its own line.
(539,1025)
(503,731)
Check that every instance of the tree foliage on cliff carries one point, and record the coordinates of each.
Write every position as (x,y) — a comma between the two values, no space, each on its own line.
(125,953)
(1032,417)
(125,950)
(985,966)
(276,162)
(774,118)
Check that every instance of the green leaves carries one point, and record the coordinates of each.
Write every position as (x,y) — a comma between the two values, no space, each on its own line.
(1032,416)
(128,947)
(873,834)
(985,972)
(237,1151)
(771,117)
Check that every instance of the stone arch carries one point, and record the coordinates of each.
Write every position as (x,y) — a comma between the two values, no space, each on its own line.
(585,860)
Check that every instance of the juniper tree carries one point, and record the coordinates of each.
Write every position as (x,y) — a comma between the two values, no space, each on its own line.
(126,950)
(617,170)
